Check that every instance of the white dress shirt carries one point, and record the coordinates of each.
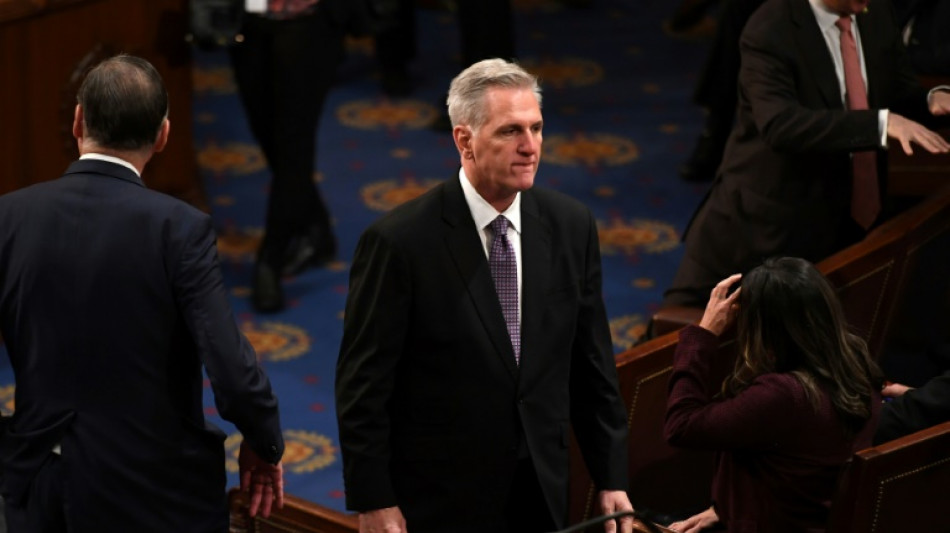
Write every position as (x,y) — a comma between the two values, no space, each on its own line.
(483,213)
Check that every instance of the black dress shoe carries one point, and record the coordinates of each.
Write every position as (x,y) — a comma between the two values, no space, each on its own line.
(312,250)
(267,296)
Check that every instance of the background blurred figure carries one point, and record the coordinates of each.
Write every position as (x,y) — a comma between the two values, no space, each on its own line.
(802,399)
(822,86)
(111,301)
(475,334)
(284,68)
(395,47)
(486,30)
(716,90)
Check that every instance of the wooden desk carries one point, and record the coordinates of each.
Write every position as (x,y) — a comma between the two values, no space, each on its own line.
(45,48)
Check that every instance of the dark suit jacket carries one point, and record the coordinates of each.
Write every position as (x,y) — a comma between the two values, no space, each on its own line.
(784,186)
(779,457)
(430,402)
(917,409)
(929,44)
(111,299)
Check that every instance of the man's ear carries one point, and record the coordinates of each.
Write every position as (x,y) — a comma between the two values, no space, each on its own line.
(162,138)
(463,140)
(77,124)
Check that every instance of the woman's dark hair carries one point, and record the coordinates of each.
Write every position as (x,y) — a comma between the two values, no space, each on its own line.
(124,103)
(790,321)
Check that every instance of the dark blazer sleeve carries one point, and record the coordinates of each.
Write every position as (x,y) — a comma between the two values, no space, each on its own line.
(242,391)
(374,329)
(598,415)
(917,409)
(748,421)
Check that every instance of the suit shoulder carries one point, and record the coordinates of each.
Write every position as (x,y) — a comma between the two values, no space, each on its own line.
(771,18)
(409,215)
(175,206)
(556,203)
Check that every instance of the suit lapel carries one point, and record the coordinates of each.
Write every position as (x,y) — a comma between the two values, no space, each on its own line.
(536,274)
(871,66)
(816,54)
(465,247)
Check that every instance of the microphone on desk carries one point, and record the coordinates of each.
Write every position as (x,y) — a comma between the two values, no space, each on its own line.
(608,517)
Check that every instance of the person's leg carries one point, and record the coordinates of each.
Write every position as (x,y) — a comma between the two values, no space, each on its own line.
(526,510)
(306,57)
(251,68)
(395,47)
(487,30)
(43,510)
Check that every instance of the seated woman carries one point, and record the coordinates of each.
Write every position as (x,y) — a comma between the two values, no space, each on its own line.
(802,399)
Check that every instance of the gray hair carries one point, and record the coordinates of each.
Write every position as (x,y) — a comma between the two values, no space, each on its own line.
(466,99)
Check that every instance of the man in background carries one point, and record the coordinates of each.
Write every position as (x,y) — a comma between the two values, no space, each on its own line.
(111,301)
(823,86)
(475,337)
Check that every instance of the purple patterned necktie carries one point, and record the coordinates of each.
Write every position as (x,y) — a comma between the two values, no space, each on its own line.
(504,272)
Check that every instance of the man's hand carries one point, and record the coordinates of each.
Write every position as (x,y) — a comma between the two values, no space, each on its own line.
(696,523)
(894,390)
(940,103)
(388,520)
(907,131)
(614,501)
(262,480)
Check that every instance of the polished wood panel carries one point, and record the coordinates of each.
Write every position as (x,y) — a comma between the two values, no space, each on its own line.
(896,486)
(45,48)
(297,516)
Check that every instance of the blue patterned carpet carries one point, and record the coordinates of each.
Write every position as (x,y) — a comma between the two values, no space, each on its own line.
(618,121)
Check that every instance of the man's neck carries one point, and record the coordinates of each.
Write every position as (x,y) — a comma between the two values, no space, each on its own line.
(136,158)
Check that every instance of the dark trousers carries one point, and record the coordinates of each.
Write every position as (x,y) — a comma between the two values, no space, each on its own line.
(487,30)
(526,510)
(44,509)
(284,70)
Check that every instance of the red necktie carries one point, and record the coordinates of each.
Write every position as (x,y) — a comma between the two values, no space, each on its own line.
(865,193)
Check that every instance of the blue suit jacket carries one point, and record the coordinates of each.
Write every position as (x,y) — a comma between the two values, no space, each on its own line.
(111,299)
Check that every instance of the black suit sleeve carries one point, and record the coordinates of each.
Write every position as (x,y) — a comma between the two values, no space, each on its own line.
(597,411)
(917,409)
(374,329)
(242,391)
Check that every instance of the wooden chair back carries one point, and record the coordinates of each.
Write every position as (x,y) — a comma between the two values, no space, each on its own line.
(896,486)
(663,480)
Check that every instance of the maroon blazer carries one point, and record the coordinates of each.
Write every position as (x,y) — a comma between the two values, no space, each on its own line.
(778,460)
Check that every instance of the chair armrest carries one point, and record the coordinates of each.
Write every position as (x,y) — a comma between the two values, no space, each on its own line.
(668,319)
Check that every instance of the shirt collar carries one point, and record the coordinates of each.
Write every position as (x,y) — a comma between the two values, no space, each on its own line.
(824,15)
(482,212)
(111,159)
